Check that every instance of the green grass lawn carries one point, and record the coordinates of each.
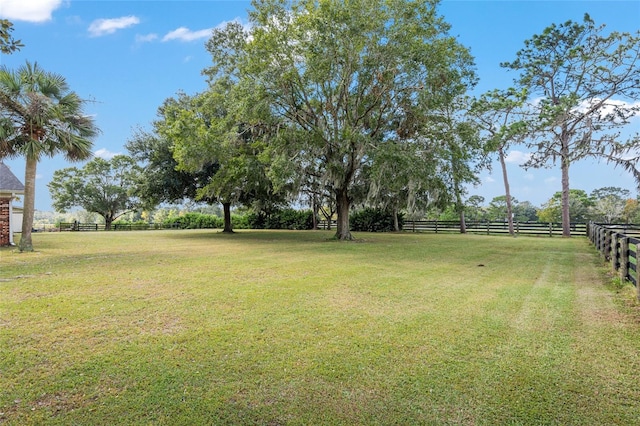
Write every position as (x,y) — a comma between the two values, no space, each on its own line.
(274,328)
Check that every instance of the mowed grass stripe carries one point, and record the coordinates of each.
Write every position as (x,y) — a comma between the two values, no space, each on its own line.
(264,327)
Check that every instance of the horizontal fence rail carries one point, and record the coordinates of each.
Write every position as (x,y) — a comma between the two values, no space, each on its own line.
(618,244)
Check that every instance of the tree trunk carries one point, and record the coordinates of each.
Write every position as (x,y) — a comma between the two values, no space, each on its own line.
(108,221)
(564,165)
(328,215)
(566,217)
(29,204)
(343,232)
(314,209)
(460,209)
(507,191)
(226,207)
(463,222)
(396,222)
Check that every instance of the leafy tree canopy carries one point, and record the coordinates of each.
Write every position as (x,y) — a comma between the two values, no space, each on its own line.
(579,203)
(608,204)
(7,43)
(160,180)
(214,128)
(102,186)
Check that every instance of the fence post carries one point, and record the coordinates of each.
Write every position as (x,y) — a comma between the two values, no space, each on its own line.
(551,229)
(637,276)
(600,239)
(615,254)
(624,258)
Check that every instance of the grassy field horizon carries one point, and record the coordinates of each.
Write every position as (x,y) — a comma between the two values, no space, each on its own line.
(289,327)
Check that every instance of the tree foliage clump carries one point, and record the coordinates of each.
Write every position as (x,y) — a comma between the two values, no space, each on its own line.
(609,204)
(160,180)
(579,204)
(8,44)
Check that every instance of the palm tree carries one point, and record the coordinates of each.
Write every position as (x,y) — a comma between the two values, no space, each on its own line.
(40,116)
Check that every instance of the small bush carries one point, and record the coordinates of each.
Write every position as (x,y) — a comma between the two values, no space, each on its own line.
(373,220)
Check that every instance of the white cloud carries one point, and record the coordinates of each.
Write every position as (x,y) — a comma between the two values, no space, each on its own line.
(28,10)
(528,176)
(550,180)
(489,179)
(105,153)
(146,38)
(517,157)
(185,34)
(101,27)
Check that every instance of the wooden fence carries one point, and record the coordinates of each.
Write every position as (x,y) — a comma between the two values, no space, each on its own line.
(618,244)
(77,226)
(435,226)
(494,228)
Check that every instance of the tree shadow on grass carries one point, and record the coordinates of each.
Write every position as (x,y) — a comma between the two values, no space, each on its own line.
(258,235)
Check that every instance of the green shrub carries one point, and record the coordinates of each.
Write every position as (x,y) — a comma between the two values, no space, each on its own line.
(373,220)
(194,220)
(130,225)
(254,220)
(280,219)
(241,221)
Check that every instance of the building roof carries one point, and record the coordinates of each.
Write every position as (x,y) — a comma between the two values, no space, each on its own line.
(8,181)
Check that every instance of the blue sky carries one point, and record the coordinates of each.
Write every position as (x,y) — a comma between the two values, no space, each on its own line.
(129,56)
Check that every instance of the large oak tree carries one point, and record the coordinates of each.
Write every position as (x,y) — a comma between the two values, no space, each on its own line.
(349,75)
(105,187)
